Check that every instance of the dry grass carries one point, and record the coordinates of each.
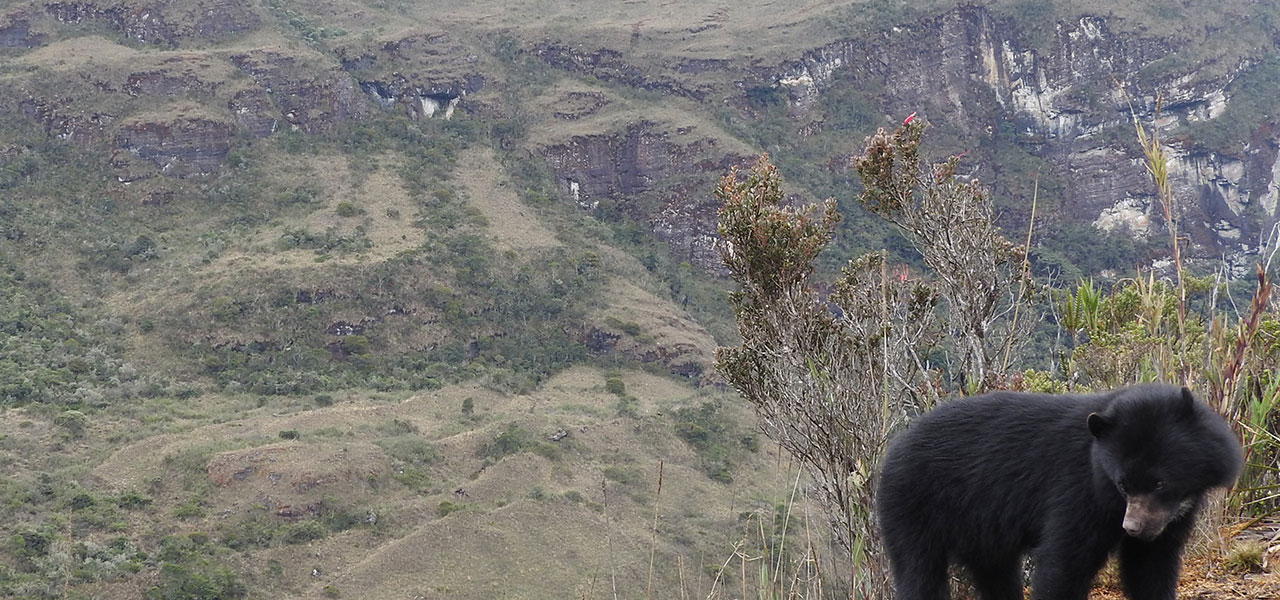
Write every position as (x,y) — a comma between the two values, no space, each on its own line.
(376,196)
(512,225)
(530,525)
(661,326)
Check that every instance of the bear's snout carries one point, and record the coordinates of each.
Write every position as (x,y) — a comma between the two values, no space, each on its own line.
(1145,518)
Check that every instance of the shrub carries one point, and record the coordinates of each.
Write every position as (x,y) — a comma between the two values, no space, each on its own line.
(355,345)
(31,543)
(303,532)
(225,308)
(191,509)
(709,433)
(623,475)
(628,406)
(347,209)
(546,450)
(74,421)
(81,501)
(196,582)
(447,507)
(511,440)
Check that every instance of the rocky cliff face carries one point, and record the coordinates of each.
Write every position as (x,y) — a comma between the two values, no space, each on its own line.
(629,162)
(161,23)
(425,74)
(1071,104)
(313,98)
(1059,98)
(182,147)
(644,158)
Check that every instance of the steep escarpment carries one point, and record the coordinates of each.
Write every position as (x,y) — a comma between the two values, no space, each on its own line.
(160,23)
(1053,102)
(1071,102)
(1052,99)
(645,122)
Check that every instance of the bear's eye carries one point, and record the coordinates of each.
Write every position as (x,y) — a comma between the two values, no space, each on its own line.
(1124,489)
(1159,484)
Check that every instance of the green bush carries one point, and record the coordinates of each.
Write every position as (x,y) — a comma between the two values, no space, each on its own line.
(302,532)
(74,421)
(711,434)
(347,209)
(355,345)
(511,440)
(614,385)
(196,582)
(193,508)
(81,501)
(447,507)
(628,406)
(623,475)
(30,543)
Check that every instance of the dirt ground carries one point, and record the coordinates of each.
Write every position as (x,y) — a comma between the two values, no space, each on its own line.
(1212,578)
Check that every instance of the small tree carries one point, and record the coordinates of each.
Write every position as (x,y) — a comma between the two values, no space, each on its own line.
(828,386)
(981,276)
(832,377)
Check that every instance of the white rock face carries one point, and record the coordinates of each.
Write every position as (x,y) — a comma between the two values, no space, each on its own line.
(966,64)
(1130,214)
(428,105)
(806,80)
(1189,174)
(1272,198)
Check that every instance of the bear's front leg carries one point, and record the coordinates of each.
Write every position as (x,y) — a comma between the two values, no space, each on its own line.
(1065,569)
(1149,570)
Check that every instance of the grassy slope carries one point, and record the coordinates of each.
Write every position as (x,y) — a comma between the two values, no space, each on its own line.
(553,519)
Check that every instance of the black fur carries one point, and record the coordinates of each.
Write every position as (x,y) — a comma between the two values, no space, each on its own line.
(982,481)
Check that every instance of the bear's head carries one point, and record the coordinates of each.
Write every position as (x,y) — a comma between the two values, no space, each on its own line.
(1161,449)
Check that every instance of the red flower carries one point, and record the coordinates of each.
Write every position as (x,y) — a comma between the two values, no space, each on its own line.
(908,119)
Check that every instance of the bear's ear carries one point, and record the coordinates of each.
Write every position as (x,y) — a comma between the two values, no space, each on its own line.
(1186,403)
(1098,425)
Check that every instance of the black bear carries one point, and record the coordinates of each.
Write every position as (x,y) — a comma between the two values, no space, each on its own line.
(982,481)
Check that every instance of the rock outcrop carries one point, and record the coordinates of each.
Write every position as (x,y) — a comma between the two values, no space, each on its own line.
(15,32)
(313,98)
(644,158)
(161,23)
(607,64)
(182,147)
(427,74)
